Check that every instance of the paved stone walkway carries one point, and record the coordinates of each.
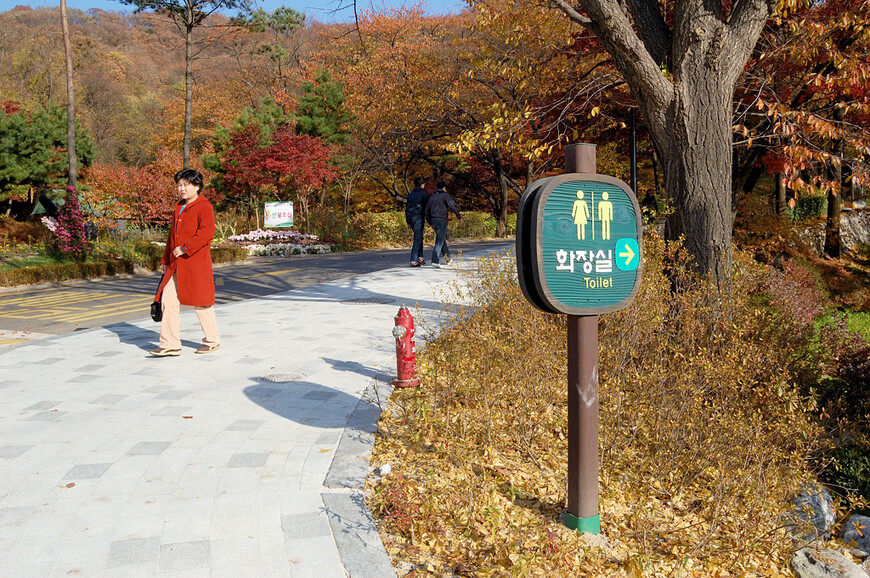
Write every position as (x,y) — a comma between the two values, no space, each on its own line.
(246,462)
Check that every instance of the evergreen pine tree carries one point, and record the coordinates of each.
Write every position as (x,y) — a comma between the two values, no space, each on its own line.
(322,112)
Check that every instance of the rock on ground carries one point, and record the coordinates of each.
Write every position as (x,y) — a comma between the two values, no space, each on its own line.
(818,563)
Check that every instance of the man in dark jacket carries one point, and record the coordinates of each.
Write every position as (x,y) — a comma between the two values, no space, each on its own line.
(415,208)
(437,211)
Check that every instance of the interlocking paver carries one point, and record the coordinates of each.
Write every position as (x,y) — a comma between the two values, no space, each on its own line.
(119,464)
(134,552)
(184,556)
(148,448)
(13,451)
(87,471)
(252,460)
(240,425)
(110,398)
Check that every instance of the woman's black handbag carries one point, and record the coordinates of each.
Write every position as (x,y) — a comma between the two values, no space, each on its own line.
(156,311)
(156,305)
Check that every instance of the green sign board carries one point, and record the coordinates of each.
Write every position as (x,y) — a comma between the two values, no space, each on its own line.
(578,244)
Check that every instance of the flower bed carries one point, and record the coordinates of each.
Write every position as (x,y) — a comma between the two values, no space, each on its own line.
(271,243)
(287,249)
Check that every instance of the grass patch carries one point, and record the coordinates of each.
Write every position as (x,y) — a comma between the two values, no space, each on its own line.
(21,261)
(859,323)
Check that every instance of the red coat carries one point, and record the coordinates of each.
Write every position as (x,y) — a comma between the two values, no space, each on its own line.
(192,229)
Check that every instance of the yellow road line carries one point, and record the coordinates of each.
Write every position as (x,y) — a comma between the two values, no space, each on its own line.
(81,313)
(142,307)
(76,305)
(55,299)
(108,309)
(11,341)
(59,304)
(29,314)
(59,301)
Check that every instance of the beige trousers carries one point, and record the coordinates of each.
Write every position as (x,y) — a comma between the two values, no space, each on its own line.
(170,327)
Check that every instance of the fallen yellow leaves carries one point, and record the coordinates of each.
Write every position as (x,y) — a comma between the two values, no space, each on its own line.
(695,468)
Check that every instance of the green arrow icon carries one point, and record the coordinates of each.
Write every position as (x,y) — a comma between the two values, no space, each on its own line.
(628,254)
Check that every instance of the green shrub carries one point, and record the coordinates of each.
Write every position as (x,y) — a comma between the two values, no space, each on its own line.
(374,229)
(848,471)
(154,253)
(473,225)
(512,224)
(151,253)
(378,229)
(332,226)
(63,272)
(227,254)
(108,263)
(859,323)
(808,207)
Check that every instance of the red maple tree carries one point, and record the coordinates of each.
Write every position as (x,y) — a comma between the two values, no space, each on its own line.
(283,166)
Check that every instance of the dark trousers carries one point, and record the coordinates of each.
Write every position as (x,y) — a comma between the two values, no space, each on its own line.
(417,247)
(440,247)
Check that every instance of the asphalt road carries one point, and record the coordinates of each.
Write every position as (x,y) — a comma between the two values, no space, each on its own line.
(57,309)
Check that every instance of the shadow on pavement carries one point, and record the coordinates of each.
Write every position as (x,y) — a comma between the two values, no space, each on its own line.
(144,339)
(358,368)
(303,402)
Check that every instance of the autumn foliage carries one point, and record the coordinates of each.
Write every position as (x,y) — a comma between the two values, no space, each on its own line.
(69,234)
(143,195)
(696,470)
(804,106)
(258,164)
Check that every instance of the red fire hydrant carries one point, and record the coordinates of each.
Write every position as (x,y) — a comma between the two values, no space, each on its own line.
(406,353)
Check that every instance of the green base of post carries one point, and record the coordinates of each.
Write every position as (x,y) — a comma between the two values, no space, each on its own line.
(588,525)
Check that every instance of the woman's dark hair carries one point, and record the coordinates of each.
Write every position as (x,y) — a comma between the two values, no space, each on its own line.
(441,185)
(418,181)
(191,176)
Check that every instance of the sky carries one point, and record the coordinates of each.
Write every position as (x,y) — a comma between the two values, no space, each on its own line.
(321,10)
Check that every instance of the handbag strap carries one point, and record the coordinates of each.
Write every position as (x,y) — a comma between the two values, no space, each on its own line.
(159,295)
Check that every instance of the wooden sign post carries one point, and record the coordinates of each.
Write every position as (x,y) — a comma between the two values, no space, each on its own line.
(579,253)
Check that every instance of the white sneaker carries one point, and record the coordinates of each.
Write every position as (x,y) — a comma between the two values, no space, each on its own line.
(436,265)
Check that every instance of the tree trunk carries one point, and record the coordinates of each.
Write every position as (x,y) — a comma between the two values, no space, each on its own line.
(681,67)
(501,205)
(779,201)
(188,89)
(70,96)
(655,168)
(833,244)
(695,144)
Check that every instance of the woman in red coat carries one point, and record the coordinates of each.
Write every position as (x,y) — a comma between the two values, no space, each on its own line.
(186,265)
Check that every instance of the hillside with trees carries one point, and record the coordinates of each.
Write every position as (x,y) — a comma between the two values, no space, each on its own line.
(487,98)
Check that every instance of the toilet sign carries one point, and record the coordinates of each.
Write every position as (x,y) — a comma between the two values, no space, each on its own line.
(578,244)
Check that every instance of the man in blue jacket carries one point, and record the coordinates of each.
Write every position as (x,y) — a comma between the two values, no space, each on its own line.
(437,211)
(415,207)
